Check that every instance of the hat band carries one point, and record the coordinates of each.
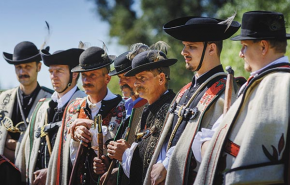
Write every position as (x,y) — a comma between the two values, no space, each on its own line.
(90,66)
(252,33)
(122,66)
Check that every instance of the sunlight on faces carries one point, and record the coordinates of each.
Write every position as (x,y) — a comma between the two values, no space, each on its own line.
(59,75)
(27,73)
(192,52)
(127,80)
(249,53)
(94,81)
(146,84)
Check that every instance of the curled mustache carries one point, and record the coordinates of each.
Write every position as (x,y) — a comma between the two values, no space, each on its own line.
(139,88)
(127,86)
(88,85)
(24,76)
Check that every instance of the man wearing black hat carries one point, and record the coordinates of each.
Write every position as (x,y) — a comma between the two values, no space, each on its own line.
(251,144)
(152,73)
(94,66)
(48,114)
(198,104)
(134,105)
(17,104)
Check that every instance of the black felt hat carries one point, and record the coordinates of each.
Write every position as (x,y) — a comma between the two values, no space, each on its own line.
(91,59)
(68,57)
(122,64)
(200,29)
(258,25)
(148,60)
(24,52)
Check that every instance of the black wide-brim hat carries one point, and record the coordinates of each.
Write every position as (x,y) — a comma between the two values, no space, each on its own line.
(122,64)
(257,25)
(24,52)
(68,57)
(200,29)
(93,58)
(148,60)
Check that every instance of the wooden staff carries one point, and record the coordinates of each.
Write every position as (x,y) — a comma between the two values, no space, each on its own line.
(112,165)
(98,120)
(229,88)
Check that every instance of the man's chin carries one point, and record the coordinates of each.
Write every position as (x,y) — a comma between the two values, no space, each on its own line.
(24,81)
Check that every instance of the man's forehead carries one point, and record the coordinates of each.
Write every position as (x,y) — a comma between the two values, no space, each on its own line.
(191,43)
(143,73)
(58,67)
(247,41)
(97,71)
(121,75)
(24,64)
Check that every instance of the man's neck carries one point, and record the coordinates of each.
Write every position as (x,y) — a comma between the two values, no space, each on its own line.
(207,66)
(156,96)
(28,89)
(59,95)
(95,98)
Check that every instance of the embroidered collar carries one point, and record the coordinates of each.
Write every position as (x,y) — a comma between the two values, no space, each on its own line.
(206,75)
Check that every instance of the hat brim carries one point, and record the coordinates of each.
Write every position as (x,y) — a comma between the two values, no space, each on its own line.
(9,58)
(152,65)
(81,69)
(114,72)
(68,57)
(240,37)
(199,32)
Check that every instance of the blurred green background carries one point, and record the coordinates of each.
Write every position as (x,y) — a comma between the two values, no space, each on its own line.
(142,21)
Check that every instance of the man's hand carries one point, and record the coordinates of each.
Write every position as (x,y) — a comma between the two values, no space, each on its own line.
(82,134)
(10,143)
(113,177)
(117,148)
(40,177)
(158,174)
(78,122)
(100,166)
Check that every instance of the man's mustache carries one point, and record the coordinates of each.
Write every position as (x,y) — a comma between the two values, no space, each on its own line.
(139,88)
(24,76)
(131,90)
(88,85)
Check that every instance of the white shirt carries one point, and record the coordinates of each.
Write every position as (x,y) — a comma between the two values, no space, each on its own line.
(95,107)
(64,99)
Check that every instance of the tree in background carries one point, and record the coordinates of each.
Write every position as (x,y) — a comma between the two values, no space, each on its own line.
(142,21)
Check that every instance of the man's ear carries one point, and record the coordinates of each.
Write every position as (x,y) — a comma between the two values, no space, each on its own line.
(108,78)
(212,49)
(38,66)
(162,79)
(264,46)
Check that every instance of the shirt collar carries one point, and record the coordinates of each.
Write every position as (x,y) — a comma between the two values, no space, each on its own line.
(109,96)
(95,107)
(64,99)
(278,61)
(202,78)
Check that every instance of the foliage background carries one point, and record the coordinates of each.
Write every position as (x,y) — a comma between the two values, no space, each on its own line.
(133,21)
